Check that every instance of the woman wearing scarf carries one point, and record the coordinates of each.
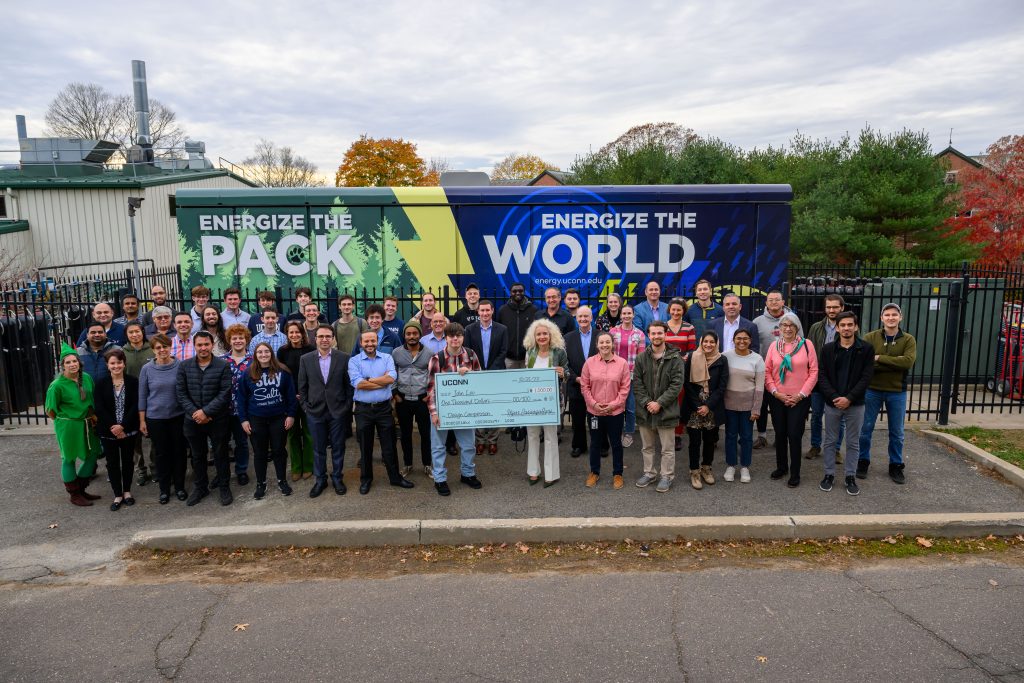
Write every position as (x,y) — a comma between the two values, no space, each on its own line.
(683,336)
(791,371)
(69,403)
(545,348)
(706,377)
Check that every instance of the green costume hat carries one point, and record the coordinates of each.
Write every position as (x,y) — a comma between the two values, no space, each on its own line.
(66,351)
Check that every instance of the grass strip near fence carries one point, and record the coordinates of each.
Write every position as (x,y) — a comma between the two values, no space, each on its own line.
(1007,444)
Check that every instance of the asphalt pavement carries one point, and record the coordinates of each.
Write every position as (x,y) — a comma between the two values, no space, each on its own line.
(41,532)
(890,621)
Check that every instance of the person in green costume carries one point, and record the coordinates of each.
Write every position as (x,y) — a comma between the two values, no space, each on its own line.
(69,404)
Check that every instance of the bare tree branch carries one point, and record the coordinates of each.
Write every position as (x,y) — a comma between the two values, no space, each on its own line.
(273,166)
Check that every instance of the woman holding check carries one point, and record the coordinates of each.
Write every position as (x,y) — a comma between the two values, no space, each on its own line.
(545,348)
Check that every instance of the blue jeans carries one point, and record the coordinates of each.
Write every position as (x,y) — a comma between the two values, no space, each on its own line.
(629,425)
(895,403)
(328,430)
(241,440)
(467,445)
(738,427)
(817,415)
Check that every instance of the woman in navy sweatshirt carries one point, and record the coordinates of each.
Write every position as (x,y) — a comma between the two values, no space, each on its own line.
(266,408)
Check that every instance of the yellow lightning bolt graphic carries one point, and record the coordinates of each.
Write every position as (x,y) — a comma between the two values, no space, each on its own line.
(439,251)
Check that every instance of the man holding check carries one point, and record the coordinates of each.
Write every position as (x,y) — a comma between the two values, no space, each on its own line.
(453,358)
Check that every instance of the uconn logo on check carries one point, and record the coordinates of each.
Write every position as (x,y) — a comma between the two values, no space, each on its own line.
(454,382)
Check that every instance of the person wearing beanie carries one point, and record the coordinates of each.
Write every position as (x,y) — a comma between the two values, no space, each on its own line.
(412,360)
(895,354)
(69,403)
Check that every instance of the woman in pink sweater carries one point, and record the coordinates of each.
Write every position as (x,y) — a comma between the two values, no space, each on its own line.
(791,371)
(605,385)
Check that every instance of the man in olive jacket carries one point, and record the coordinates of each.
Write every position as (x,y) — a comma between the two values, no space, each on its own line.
(895,353)
(657,381)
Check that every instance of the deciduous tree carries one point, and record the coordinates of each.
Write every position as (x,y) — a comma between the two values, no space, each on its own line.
(380,162)
(273,166)
(992,198)
(671,136)
(520,167)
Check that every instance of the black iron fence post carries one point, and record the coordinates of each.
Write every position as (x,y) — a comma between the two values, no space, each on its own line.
(950,350)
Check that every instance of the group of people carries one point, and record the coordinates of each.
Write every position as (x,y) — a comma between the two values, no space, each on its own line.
(218,383)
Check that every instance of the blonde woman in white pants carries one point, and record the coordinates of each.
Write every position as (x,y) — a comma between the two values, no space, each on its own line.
(545,348)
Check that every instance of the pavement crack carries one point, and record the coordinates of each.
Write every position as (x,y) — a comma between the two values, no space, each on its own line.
(167,662)
(677,638)
(970,660)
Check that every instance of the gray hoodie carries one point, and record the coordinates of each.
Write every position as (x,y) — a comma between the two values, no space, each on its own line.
(768,328)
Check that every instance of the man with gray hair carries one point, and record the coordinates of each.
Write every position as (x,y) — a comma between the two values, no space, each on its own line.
(162,317)
(580,344)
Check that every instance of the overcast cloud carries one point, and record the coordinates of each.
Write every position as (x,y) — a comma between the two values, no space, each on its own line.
(473,81)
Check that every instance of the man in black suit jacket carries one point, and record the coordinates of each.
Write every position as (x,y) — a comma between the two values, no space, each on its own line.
(580,344)
(731,305)
(328,407)
(491,358)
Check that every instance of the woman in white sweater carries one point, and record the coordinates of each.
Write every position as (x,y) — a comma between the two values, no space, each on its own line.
(743,396)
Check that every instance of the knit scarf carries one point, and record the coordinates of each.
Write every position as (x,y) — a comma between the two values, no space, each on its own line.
(787,358)
(700,364)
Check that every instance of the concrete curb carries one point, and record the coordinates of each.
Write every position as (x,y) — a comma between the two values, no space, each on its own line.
(1009,471)
(573,529)
(28,430)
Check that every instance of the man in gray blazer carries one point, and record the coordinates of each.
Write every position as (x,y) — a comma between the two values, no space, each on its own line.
(325,395)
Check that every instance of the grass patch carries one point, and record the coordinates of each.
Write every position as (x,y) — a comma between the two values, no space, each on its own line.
(1007,444)
(226,565)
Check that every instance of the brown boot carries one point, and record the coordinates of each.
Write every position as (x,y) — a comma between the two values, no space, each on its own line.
(592,480)
(695,481)
(707,475)
(76,495)
(82,483)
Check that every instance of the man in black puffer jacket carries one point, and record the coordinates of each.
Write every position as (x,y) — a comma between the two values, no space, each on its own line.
(517,315)
(204,392)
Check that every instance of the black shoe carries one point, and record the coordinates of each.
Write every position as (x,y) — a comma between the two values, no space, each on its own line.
(143,478)
(403,483)
(225,496)
(442,488)
(779,474)
(243,478)
(116,505)
(129,501)
(215,483)
(793,482)
(286,490)
(862,468)
(197,495)
(165,498)
(452,450)
(471,482)
(340,488)
(826,483)
(364,487)
(261,490)
(181,494)
(851,486)
(576,452)
(318,488)
(896,473)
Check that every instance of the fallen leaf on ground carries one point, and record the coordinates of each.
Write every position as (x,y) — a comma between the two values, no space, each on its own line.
(53,526)
(762,660)
(523,548)
(993,582)
(924,542)
(240,627)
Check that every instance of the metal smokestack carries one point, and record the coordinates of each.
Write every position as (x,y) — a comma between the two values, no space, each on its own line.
(141,105)
(22,128)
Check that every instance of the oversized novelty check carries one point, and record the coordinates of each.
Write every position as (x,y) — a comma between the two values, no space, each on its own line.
(497,398)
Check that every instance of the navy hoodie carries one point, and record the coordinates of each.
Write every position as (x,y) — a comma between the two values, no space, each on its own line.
(266,397)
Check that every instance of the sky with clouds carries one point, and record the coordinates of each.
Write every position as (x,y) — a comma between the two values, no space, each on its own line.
(474,81)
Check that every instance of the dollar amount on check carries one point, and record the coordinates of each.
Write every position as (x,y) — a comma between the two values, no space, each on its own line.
(497,398)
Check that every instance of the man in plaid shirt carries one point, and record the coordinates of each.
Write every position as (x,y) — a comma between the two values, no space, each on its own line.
(457,358)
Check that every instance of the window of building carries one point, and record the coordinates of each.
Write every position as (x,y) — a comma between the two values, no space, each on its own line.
(3,206)
(950,177)
(172,206)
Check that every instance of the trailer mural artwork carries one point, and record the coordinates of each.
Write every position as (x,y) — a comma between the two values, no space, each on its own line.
(597,239)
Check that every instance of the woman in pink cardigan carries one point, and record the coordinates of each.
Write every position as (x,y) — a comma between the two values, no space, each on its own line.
(791,371)
(605,384)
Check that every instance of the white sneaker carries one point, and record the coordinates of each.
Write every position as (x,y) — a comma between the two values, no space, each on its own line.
(744,475)
(730,473)
(627,440)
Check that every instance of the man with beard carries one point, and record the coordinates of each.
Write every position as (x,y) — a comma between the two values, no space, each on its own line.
(516,316)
